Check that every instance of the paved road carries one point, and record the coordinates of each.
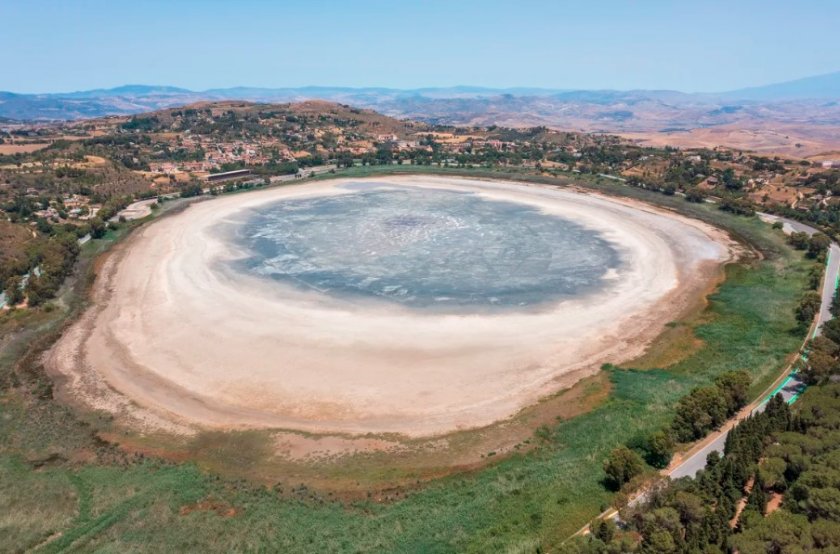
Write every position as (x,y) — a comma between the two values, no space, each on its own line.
(788,225)
(790,390)
(832,270)
(832,274)
(792,386)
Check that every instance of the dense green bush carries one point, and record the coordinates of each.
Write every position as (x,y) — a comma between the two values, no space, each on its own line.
(706,408)
(622,465)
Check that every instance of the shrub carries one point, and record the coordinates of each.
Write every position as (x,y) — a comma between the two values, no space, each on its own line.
(622,465)
(808,307)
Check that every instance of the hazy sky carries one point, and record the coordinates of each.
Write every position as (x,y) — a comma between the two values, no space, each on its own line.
(51,46)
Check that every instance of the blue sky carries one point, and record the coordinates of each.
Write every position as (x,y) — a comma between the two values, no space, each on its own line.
(52,46)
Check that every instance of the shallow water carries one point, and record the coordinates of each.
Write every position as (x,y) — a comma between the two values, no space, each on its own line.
(424,248)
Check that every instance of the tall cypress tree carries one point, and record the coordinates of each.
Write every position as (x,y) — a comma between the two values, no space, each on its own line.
(757,500)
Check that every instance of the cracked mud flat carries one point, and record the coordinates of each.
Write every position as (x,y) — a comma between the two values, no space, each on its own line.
(378,318)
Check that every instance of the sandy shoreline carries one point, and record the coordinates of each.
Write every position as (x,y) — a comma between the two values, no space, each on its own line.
(172,343)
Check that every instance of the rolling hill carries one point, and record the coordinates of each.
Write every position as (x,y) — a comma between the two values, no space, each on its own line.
(800,117)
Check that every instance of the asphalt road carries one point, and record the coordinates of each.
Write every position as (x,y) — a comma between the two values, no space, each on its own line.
(832,274)
(790,390)
(792,386)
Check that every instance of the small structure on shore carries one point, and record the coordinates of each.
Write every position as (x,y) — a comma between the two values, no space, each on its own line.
(227,175)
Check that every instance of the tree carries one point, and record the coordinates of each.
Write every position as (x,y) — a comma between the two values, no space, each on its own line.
(831,330)
(384,156)
(823,503)
(345,159)
(779,532)
(660,541)
(799,240)
(97,228)
(757,500)
(193,189)
(603,529)
(822,360)
(730,180)
(659,449)
(622,465)
(796,454)
(826,534)
(35,291)
(14,291)
(694,195)
(835,305)
(778,414)
(735,387)
(817,246)
(662,530)
(771,472)
(690,507)
(737,206)
(808,307)
(702,410)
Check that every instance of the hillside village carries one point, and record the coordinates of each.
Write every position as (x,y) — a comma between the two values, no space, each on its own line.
(73,178)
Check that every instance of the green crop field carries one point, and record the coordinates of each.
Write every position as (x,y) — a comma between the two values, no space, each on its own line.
(61,489)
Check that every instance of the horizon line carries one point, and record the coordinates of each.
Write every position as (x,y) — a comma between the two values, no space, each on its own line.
(427,87)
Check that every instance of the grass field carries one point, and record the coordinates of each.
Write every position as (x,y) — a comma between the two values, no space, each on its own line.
(62,489)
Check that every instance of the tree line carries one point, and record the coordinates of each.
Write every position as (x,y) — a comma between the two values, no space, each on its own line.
(775,488)
(698,413)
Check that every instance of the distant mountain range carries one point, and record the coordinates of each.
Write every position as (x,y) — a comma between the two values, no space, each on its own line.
(820,87)
(799,118)
(130,99)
